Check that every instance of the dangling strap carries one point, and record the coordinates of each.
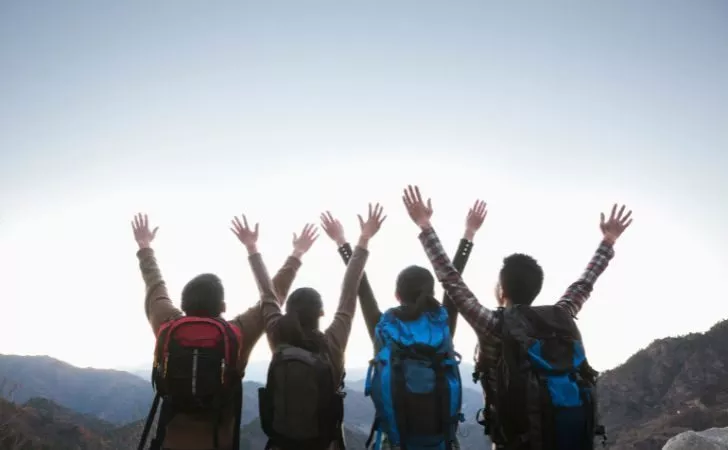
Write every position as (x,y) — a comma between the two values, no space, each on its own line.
(238,405)
(150,420)
(165,417)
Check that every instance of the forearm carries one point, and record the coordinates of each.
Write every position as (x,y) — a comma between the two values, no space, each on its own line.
(461,258)
(369,307)
(481,318)
(157,304)
(269,304)
(579,292)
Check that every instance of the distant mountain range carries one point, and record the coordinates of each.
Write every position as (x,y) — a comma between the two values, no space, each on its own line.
(673,385)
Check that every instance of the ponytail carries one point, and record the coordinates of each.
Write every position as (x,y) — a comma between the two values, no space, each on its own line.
(425,302)
(291,330)
(292,333)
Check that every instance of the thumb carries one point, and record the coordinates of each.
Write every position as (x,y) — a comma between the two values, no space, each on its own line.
(154,231)
(295,238)
(602,218)
(429,203)
(361,220)
(256,228)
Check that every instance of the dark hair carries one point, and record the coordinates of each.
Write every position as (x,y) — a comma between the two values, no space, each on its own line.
(521,279)
(416,289)
(300,324)
(203,296)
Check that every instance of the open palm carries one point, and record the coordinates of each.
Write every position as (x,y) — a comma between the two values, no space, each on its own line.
(618,221)
(143,235)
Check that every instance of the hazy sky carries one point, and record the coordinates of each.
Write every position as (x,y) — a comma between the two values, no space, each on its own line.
(195,111)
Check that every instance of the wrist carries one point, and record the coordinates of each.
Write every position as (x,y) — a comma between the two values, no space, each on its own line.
(298,254)
(609,239)
(469,235)
(340,242)
(252,248)
(425,225)
(363,242)
(144,245)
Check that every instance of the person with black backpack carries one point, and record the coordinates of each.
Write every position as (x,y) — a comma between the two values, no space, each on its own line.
(412,282)
(544,393)
(302,403)
(199,357)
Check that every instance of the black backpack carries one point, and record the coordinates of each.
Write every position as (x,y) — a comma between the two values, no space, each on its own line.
(301,406)
(195,372)
(545,395)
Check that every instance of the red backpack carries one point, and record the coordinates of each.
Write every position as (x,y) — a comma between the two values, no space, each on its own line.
(195,372)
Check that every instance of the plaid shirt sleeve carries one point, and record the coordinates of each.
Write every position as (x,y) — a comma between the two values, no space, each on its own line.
(578,293)
(482,319)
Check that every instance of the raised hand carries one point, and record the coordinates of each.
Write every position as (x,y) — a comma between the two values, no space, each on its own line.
(371,226)
(475,219)
(142,234)
(248,236)
(618,221)
(303,243)
(419,211)
(333,228)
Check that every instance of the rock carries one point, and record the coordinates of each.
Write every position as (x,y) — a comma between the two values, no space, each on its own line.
(712,439)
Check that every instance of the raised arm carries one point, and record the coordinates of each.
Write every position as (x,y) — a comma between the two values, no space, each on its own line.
(369,307)
(337,334)
(252,321)
(579,292)
(473,222)
(157,305)
(478,316)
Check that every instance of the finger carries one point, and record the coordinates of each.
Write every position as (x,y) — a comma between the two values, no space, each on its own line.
(429,204)
(377,210)
(620,213)
(381,221)
(626,217)
(601,222)
(295,238)
(236,223)
(256,229)
(330,216)
(614,211)
(323,218)
(418,195)
(133,227)
(628,223)
(411,196)
(470,213)
(406,203)
(146,221)
(370,210)
(406,198)
(361,220)
(245,222)
(154,231)
(315,236)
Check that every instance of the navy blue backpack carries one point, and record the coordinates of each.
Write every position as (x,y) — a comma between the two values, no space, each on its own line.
(414,382)
(544,396)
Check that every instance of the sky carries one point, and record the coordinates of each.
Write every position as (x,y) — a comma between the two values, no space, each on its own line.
(194,112)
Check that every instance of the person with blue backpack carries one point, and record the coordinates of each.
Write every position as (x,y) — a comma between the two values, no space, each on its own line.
(544,397)
(418,399)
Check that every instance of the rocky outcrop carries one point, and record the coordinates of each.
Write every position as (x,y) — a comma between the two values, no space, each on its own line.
(712,439)
(674,385)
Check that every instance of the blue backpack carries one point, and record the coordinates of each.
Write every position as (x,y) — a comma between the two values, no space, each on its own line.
(545,395)
(414,382)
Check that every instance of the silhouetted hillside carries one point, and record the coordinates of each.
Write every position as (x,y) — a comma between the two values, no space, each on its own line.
(673,385)
(115,396)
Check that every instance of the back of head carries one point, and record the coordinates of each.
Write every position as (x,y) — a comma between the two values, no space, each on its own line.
(204,296)
(415,290)
(520,279)
(300,324)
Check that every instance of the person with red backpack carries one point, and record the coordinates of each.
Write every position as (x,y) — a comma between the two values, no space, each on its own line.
(199,357)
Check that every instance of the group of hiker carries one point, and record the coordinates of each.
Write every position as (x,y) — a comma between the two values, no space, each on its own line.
(539,390)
